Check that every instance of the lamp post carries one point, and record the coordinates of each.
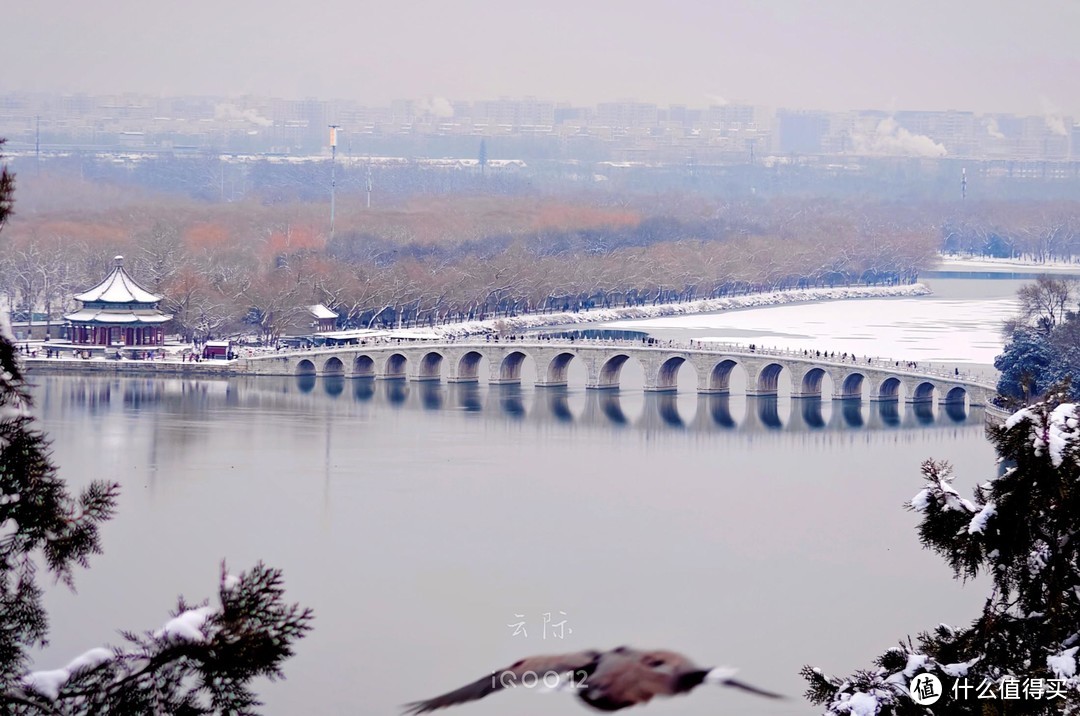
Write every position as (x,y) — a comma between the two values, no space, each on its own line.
(333,181)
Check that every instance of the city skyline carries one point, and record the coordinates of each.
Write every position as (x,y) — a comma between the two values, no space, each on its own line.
(525,128)
(846,55)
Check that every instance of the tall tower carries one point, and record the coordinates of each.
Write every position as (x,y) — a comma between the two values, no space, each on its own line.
(369,183)
(963,184)
(333,181)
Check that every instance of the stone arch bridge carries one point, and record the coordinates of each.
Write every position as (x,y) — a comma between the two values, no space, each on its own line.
(460,362)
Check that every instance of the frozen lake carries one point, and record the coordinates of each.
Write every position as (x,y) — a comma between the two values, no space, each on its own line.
(959,324)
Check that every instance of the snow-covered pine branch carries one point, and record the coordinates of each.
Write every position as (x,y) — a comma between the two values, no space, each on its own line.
(202,659)
(1020,529)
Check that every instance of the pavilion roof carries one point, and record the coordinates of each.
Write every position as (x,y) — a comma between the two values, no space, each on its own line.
(118,287)
(114,317)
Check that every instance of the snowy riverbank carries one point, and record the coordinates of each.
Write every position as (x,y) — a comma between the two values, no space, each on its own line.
(958,262)
(709,305)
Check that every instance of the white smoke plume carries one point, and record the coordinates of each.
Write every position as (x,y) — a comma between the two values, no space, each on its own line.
(890,139)
(717,100)
(231,111)
(993,129)
(1052,116)
(436,106)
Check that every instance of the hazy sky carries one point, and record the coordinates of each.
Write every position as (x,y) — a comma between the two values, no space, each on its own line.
(988,55)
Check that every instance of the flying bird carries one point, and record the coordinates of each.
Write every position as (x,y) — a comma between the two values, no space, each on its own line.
(605,680)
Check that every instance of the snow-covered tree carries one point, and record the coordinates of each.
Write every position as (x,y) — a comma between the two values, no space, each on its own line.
(1022,530)
(201,661)
(1025,366)
(1042,342)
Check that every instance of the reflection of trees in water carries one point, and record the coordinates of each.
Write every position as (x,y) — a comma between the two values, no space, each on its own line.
(175,409)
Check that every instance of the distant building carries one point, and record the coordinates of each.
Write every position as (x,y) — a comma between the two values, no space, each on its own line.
(627,114)
(118,312)
(325,319)
(802,132)
(218,350)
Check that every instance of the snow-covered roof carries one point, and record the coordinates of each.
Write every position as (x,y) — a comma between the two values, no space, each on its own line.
(320,311)
(118,287)
(350,333)
(101,315)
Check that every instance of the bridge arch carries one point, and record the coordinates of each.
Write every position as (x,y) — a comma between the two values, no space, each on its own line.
(923,393)
(851,387)
(955,396)
(610,372)
(667,375)
(888,390)
(810,385)
(510,367)
(305,367)
(468,368)
(363,366)
(720,376)
(767,381)
(558,369)
(333,366)
(430,366)
(394,367)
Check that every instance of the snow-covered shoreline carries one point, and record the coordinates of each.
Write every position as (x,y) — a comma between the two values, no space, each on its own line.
(959,262)
(708,305)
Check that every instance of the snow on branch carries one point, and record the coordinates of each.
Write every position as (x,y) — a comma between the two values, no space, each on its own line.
(1056,433)
(204,656)
(939,491)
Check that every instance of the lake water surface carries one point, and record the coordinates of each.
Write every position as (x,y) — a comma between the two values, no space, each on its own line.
(420,521)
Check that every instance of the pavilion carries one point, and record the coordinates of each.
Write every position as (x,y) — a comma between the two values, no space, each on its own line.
(118,312)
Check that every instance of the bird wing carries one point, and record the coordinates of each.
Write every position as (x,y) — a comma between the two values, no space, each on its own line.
(506,678)
(752,689)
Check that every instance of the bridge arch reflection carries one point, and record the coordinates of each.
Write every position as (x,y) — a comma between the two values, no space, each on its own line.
(659,410)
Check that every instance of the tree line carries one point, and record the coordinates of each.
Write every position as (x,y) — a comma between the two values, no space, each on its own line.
(233,268)
(244,267)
